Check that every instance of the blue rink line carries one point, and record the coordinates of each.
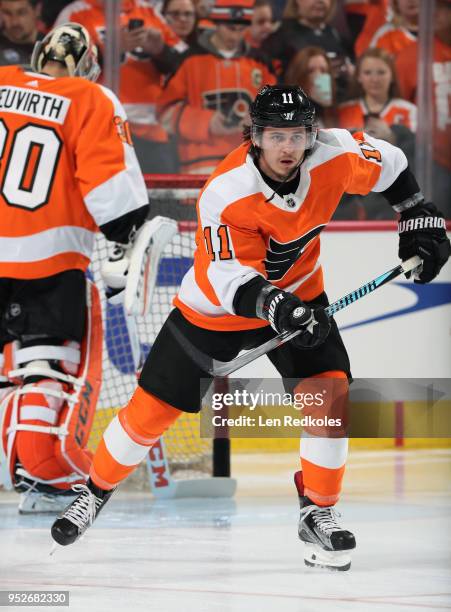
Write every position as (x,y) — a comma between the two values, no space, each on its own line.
(170,274)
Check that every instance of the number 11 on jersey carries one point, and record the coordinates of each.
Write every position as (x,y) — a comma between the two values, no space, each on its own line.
(224,251)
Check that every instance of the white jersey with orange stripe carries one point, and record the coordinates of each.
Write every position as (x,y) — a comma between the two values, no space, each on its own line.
(68,168)
(246,230)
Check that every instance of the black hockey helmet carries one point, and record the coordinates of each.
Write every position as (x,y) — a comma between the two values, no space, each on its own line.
(71,45)
(283,106)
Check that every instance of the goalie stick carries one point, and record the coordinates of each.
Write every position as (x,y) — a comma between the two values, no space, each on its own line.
(216,367)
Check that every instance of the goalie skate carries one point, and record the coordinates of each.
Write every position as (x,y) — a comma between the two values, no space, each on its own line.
(80,514)
(35,502)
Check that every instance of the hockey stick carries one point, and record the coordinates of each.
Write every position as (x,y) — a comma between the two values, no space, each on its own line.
(215,367)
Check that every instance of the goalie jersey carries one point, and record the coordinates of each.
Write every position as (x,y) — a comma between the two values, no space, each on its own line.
(68,168)
(245,229)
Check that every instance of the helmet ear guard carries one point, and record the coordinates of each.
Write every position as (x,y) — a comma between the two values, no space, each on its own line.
(71,45)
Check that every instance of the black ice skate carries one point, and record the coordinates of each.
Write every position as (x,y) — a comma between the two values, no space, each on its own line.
(80,514)
(327,544)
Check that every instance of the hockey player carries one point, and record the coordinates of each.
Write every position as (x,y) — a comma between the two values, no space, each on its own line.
(256,273)
(68,169)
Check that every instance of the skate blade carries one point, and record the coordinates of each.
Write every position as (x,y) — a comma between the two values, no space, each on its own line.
(315,556)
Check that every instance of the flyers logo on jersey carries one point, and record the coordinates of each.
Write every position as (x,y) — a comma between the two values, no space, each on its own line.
(233,103)
(281,256)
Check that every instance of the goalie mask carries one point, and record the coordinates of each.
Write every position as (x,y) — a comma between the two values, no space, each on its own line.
(283,106)
(69,44)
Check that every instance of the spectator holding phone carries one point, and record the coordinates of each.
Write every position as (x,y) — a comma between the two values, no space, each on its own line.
(150,49)
(311,69)
(205,104)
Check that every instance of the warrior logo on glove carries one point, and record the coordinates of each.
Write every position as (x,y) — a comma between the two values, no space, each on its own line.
(422,231)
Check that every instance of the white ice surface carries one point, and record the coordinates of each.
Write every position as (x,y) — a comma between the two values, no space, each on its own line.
(243,554)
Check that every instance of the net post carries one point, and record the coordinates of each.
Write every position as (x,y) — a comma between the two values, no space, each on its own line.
(221,441)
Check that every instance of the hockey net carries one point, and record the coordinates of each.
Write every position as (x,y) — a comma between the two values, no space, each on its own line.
(189,455)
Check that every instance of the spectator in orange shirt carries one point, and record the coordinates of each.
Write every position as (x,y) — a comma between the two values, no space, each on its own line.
(376,105)
(364,17)
(311,69)
(150,49)
(262,24)
(181,17)
(401,31)
(406,65)
(378,109)
(206,102)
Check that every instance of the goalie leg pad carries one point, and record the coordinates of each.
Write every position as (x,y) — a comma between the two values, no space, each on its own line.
(47,421)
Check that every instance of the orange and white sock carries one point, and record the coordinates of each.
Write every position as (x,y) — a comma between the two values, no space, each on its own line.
(129,436)
(323,459)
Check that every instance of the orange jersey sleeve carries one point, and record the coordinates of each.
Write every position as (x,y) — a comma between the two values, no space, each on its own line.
(376,13)
(351,115)
(67,168)
(392,39)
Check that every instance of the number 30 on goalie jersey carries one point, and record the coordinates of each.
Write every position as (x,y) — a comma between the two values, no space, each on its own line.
(63,151)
